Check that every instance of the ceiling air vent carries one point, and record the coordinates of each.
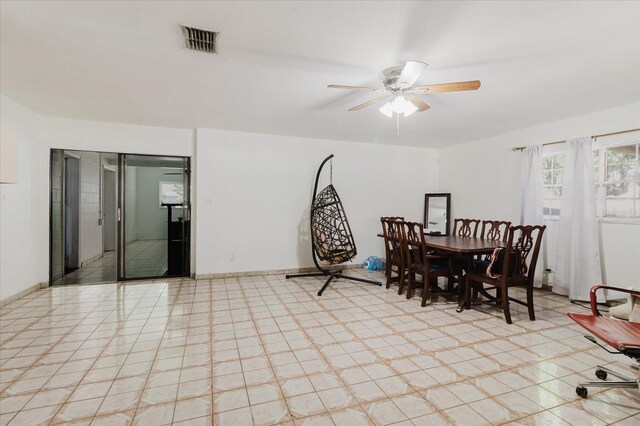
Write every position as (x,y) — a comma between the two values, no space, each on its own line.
(202,40)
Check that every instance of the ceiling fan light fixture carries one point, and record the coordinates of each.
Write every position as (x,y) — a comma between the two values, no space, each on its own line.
(403,106)
(401,90)
(399,105)
(387,109)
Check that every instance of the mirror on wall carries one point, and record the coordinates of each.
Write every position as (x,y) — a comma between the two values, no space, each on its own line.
(437,208)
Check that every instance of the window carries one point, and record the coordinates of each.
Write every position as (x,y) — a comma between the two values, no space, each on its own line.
(619,181)
(617,176)
(552,171)
(171,193)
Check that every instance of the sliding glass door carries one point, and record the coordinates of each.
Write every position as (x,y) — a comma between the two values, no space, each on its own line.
(153,216)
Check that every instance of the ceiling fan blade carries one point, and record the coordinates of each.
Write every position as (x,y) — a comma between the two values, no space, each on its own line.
(449,87)
(410,73)
(418,103)
(366,104)
(342,86)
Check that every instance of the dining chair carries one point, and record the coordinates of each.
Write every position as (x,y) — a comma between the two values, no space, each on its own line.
(421,262)
(495,230)
(518,270)
(392,234)
(465,227)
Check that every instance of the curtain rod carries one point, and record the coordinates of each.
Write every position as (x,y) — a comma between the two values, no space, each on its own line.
(520,148)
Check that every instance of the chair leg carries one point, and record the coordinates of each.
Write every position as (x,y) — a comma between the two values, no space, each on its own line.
(471,293)
(411,277)
(532,314)
(425,291)
(389,268)
(466,292)
(401,278)
(475,293)
(505,305)
(600,369)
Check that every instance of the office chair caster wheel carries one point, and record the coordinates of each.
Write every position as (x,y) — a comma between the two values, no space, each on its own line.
(601,374)
(582,391)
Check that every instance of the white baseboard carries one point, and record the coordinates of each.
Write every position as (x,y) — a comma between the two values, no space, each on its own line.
(270,272)
(23,293)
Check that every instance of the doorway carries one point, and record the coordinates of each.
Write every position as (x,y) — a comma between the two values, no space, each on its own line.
(118,217)
(154,225)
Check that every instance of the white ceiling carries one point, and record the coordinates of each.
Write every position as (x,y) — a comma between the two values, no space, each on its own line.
(126,62)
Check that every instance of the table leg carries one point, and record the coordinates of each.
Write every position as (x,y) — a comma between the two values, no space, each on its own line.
(463,297)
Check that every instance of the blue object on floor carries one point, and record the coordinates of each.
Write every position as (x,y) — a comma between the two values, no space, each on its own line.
(373,263)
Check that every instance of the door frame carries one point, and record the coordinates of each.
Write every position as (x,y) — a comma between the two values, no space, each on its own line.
(121,218)
(106,168)
(120,181)
(78,207)
(62,231)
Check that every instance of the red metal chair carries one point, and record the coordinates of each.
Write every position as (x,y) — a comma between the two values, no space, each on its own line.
(623,336)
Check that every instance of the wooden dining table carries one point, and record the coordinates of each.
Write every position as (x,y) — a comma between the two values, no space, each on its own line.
(467,247)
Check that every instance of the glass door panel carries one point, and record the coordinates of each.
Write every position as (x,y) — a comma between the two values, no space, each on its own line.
(153,216)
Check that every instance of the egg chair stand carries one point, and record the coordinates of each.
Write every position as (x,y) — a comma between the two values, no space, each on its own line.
(331,238)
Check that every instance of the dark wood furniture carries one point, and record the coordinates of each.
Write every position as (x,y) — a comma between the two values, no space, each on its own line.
(522,248)
(495,230)
(395,263)
(421,262)
(437,209)
(466,248)
(466,227)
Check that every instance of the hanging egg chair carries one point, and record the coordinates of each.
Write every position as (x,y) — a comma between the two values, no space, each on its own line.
(332,241)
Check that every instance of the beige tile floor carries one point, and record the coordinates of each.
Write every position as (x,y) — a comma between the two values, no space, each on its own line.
(144,258)
(262,350)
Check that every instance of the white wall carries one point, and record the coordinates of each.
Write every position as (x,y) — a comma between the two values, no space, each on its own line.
(254,192)
(484,178)
(24,211)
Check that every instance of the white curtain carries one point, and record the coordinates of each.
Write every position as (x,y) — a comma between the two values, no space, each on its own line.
(531,212)
(578,254)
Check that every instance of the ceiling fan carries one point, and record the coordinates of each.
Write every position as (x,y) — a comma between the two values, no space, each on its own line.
(400,92)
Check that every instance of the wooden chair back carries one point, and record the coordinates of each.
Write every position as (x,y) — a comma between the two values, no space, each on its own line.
(392,233)
(465,227)
(415,246)
(524,242)
(413,235)
(495,230)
